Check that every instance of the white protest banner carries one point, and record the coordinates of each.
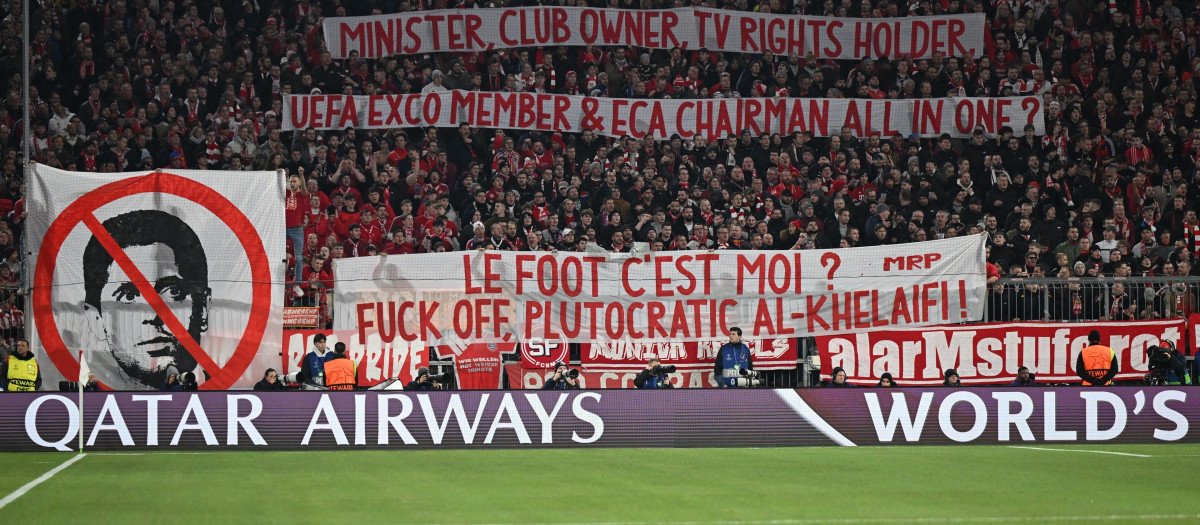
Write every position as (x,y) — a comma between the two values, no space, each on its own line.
(684,296)
(989,354)
(465,30)
(157,273)
(710,118)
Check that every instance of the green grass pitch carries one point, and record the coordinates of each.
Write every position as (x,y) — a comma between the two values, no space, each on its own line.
(779,486)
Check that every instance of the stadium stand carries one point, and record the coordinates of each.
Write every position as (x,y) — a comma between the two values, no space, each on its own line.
(134,85)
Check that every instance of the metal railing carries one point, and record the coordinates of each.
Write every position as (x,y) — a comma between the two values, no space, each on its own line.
(1092,299)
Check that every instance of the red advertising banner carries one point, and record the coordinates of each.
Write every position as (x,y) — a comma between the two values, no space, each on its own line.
(709,118)
(533,379)
(985,354)
(376,361)
(465,30)
(624,356)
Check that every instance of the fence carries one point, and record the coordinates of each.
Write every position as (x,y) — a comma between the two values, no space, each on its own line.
(1073,299)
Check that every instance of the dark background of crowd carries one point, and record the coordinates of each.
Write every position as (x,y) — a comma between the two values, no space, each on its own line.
(134,85)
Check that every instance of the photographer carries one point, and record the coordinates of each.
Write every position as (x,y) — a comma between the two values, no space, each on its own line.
(732,359)
(654,375)
(1167,365)
(424,381)
(564,378)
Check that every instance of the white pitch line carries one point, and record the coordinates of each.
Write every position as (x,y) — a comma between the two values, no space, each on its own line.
(855,521)
(26,488)
(1079,450)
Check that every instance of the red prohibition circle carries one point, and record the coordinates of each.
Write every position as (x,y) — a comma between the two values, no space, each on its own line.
(166,183)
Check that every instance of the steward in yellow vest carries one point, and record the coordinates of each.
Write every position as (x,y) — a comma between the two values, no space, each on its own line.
(20,372)
(1096,364)
(340,372)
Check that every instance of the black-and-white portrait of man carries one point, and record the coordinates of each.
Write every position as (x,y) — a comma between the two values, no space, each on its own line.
(171,259)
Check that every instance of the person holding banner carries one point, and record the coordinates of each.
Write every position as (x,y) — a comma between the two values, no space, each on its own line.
(20,372)
(732,358)
(1096,364)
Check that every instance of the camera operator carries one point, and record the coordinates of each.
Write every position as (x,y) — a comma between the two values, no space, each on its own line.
(654,375)
(1168,366)
(732,359)
(564,378)
(424,381)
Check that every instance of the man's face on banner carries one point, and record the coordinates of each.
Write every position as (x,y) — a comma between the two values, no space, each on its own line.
(167,253)
(145,349)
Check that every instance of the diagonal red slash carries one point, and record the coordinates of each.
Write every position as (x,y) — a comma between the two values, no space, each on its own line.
(149,293)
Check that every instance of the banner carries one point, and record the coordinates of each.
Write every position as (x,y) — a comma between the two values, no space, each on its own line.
(662,118)
(478,366)
(543,353)
(375,361)
(156,273)
(533,379)
(615,418)
(301,316)
(1194,330)
(624,356)
(467,30)
(984,354)
(685,296)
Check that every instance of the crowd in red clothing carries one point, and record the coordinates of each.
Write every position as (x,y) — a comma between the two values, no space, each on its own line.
(125,85)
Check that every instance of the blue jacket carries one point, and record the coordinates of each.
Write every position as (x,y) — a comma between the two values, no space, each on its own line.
(312,368)
(731,357)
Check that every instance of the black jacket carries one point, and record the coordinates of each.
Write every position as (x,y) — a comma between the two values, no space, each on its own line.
(268,387)
(4,370)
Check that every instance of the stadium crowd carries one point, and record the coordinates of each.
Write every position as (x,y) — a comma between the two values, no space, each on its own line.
(126,85)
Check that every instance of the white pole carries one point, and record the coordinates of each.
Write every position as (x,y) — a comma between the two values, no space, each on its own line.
(27,126)
(80,385)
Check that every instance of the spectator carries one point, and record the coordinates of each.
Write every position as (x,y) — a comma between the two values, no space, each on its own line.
(951,378)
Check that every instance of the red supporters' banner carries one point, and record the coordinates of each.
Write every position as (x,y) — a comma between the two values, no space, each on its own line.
(624,356)
(477,365)
(533,379)
(465,30)
(709,118)
(376,361)
(544,353)
(985,354)
(683,296)
(1194,330)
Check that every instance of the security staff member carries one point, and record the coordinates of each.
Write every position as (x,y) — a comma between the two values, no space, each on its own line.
(1096,364)
(20,372)
(731,359)
(340,372)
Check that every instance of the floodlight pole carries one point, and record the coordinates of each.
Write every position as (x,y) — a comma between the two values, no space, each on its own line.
(26,126)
